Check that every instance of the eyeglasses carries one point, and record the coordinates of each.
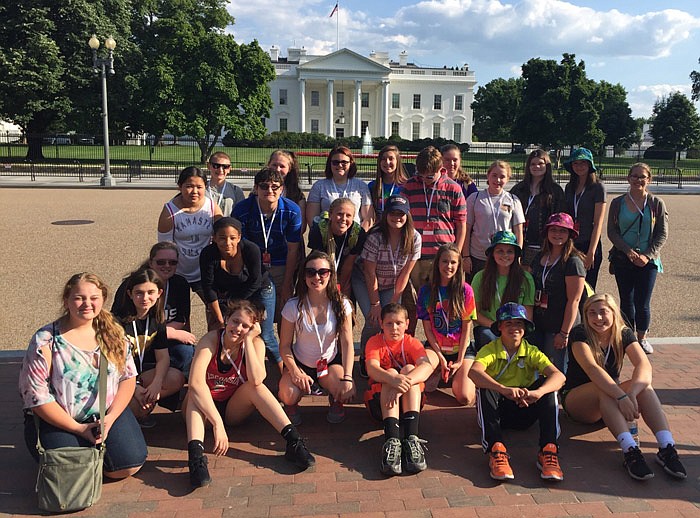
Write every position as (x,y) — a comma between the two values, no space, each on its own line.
(321,272)
(169,262)
(216,165)
(340,162)
(637,177)
(268,186)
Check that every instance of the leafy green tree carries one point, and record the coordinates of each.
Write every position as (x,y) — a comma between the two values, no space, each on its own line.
(695,78)
(496,106)
(616,121)
(675,123)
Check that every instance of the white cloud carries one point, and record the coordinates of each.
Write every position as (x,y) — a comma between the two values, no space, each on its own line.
(642,98)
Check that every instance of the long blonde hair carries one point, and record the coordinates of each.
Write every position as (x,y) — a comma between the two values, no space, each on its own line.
(109,333)
(618,324)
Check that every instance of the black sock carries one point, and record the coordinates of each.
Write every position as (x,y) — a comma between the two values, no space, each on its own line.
(391,428)
(410,423)
(195,449)
(289,433)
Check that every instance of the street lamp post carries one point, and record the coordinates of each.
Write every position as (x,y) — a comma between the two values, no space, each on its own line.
(104,64)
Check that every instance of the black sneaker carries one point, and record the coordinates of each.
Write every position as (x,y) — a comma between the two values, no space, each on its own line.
(668,458)
(297,454)
(636,465)
(363,368)
(199,472)
(414,457)
(391,457)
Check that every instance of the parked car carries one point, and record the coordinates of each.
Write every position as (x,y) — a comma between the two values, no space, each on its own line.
(59,140)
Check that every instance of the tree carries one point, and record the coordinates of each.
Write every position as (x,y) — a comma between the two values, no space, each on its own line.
(675,123)
(695,77)
(616,121)
(495,106)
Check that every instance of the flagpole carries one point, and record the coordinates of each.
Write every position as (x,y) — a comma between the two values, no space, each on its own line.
(337,28)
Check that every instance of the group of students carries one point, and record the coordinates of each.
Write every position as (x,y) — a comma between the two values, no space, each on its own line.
(403,249)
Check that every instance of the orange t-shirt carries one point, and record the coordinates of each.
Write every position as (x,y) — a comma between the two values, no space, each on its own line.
(390,354)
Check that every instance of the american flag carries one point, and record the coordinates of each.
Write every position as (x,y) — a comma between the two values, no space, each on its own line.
(335,10)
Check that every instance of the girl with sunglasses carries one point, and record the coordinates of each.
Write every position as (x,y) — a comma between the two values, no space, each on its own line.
(316,340)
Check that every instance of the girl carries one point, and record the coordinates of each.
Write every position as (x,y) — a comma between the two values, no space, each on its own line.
(541,197)
(559,274)
(446,307)
(226,386)
(186,220)
(452,162)
(340,182)
(502,280)
(637,227)
(141,314)
(585,202)
(388,257)
(489,211)
(593,390)
(59,379)
(287,165)
(316,340)
(390,176)
(232,269)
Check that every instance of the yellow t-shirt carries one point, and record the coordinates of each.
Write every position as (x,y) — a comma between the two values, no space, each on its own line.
(520,370)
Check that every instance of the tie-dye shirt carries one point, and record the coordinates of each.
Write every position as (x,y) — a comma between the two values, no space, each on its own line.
(73,378)
(446,333)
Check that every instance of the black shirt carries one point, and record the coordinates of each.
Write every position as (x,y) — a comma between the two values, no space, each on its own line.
(550,319)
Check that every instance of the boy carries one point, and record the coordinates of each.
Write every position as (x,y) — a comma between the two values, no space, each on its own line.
(510,395)
(397,366)
(224,193)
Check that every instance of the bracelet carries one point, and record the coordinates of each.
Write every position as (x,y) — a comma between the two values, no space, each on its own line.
(564,335)
(623,396)
(375,303)
(348,380)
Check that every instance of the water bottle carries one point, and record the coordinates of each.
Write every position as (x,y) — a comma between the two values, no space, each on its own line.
(634,431)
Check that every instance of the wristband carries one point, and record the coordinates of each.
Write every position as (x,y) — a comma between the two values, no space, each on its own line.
(623,396)
(348,380)
(375,303)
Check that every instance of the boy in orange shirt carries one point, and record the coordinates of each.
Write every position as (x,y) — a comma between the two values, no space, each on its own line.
(397,366)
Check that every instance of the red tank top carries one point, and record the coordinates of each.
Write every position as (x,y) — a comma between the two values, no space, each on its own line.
(222,385)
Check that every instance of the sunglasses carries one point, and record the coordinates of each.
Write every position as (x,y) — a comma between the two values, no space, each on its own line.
(340,162)
(268,186)
(321,272)
(169,262)
(216,165)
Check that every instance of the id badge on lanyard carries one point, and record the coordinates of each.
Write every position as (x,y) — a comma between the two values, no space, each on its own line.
(322,368)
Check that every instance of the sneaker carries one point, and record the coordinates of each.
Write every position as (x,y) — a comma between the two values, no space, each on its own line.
(636,465)
(147,422)
(548,463)
(414,458)
(498,463)
(363,368)
(293,413)
(316,389)
(391,457)
(297,454)
(199,472)
(668,458)
(646,346)
(336,412)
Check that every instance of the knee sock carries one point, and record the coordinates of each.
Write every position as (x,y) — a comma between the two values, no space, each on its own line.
(195,449)
(290,433)
(664,438)
(410,423)
(626,441)
(391,428)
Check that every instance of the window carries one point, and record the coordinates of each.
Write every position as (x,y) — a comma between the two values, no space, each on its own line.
(436,130)
(315,98)
(339,132)
(283,96)
(457,134)
(395,101)
(314,125)
(437,102)
(415,130)
(416,101)
(283,124)
(363,127)
(394,128)
(340,99)
(459,102)
(365,100)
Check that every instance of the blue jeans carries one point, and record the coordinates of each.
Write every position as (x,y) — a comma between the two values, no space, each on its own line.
(545,343)
(635,286)
(266,297)
(181,357)
(592,274)
(482,336)
(126,447)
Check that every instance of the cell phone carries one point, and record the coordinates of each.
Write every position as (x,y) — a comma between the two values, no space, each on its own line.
(95,431)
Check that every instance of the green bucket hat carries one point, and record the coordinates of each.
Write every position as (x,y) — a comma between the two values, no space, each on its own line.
(504,237)
(580,154)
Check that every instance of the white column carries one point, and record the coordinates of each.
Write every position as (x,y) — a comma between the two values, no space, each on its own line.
(385,111)
(357,110)
(302,105)
(330,132)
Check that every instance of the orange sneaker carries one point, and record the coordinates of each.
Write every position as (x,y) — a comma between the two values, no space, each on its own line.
(498,463)
(548,462)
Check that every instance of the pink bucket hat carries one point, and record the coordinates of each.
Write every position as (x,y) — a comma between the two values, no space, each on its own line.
(561,219)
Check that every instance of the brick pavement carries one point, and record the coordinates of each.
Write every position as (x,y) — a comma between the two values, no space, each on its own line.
(254,479)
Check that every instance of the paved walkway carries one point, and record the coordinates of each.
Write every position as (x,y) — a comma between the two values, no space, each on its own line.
(254,479)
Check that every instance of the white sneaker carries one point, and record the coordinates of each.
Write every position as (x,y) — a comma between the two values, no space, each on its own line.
(646,346)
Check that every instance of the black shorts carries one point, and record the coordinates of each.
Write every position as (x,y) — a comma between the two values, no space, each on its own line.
(311,371)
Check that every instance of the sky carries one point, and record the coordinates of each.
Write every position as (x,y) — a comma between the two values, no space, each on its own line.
(648,46)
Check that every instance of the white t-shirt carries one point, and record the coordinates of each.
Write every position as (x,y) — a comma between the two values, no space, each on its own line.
(306,348)
(487,215)
(326,190)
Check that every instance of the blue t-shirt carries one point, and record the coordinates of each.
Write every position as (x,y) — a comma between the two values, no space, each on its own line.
(284,228)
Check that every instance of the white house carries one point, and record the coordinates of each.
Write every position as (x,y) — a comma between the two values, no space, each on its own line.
(343,93)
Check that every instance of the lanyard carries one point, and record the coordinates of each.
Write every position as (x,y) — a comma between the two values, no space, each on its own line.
(577,200)
(391,193)
(529,202)
(429,204)
(510,360)
(403,353)
(545,272)
(339,255)
(494,210)
(240,364)
(345,189)
(442,310)
(221,194)
(165,299)
(394,262)
(141,352)
(266,233)
(498,293)
(644,205)
(313,321)
(607,353)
